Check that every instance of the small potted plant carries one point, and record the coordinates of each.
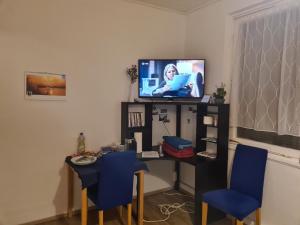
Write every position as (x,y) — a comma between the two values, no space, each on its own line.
(132,73)
(133,76)
(219,95)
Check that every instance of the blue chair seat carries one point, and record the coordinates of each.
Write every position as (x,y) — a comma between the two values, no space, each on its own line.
(231,202)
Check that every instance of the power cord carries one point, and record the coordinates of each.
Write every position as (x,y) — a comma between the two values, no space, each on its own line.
(166,128)
(168,209)
(178,194)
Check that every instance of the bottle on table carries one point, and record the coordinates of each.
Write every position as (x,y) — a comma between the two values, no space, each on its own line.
(81,144)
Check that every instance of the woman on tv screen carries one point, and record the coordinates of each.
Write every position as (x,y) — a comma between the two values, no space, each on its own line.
(169,72)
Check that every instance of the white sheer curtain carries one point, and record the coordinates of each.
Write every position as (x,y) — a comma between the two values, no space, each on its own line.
(267,72)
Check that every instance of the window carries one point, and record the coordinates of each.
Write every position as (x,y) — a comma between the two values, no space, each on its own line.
(268,78)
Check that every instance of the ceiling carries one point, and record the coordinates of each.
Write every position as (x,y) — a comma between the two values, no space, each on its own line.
(181,6)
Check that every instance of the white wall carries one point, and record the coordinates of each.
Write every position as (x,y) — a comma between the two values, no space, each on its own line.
(210,34)
(92,42)
(205,39)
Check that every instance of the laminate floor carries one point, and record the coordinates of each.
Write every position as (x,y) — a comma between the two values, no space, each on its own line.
(151,213)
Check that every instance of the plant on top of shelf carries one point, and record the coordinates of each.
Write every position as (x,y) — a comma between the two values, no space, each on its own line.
(132,73)
(220,93)
(133,76)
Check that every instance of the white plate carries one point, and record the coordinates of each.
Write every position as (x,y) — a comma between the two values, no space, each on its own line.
(83,160)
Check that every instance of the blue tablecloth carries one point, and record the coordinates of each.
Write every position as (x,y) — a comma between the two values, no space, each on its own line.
(88,174)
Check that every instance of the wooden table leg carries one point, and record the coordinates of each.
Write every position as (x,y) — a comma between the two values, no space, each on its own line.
(70,191)
(140,197)
(84,206)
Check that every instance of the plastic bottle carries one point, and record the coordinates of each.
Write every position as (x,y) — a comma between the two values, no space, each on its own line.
(161,153)
(81,144)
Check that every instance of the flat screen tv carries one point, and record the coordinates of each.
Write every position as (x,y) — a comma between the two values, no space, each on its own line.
(171,78)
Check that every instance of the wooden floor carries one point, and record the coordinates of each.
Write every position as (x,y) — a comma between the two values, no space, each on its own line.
(152,212)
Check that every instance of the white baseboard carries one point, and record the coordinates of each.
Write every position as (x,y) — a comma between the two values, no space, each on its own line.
(186,187)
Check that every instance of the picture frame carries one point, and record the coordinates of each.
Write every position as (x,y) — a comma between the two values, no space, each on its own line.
(205,99)
(45,86)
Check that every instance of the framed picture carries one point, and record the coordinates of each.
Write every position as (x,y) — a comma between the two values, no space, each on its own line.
(205,99)
(45,86)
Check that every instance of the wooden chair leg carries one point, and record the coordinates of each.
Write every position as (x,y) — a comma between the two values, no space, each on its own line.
(233,221)
(140,175)
(129,210)
(239,222)
(84,206)
(120,211)
(204,213)
(258,217)
(101,217)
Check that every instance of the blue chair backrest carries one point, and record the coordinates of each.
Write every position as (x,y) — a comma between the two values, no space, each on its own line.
(115,179)
(248,171)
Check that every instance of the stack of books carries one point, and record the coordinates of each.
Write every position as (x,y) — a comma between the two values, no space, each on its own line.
(178,147)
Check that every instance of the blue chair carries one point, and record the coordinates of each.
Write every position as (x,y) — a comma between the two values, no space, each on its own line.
(246,186)
(115,184)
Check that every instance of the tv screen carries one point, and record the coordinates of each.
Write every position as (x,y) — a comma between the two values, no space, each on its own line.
(171,78)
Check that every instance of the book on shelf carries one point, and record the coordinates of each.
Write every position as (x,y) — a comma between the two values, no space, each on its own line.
(210,139)
(135,119)
(140,119)
(211,155)
(129,120)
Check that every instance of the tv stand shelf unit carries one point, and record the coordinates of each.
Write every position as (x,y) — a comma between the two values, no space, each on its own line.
(210,174)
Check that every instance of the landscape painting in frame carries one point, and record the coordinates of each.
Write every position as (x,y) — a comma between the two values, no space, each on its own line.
(45,86)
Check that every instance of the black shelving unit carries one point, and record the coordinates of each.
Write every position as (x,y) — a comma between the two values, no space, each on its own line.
(210,174)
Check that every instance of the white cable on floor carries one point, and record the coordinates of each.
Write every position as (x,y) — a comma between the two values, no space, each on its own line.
(169,209)
(176,193)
